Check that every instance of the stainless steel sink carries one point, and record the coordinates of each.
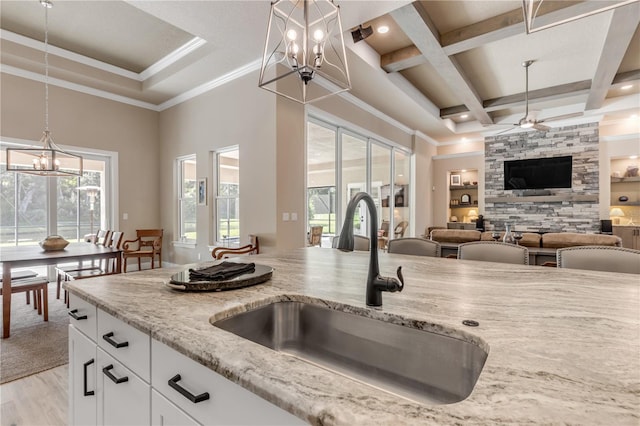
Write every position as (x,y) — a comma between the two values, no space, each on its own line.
(423,366)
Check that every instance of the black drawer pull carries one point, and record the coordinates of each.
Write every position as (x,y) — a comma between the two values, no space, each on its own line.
(73,314)
(85,365)
(108,338)
(173,382)
(115,379)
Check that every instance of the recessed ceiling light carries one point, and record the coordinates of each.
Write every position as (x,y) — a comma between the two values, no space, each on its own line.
(627,87)
(463,170)
(464,139)
(633,157)
(464,116)
(383,29)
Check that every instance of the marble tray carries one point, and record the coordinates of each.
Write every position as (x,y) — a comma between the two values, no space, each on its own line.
(180,281)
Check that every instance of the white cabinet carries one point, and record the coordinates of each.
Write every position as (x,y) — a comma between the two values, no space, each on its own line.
(207,396)
(118,375)
(127,344)
(164,413)
(630,236)
(123,397)
(82,379)
(102,391)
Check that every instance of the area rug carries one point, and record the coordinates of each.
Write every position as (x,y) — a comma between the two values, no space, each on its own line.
(34,345)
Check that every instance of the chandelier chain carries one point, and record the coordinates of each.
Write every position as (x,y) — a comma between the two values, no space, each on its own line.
(46,68)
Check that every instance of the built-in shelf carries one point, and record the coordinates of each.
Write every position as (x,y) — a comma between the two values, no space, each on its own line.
(631,204)
(543,199)
(626,179)
(456,187)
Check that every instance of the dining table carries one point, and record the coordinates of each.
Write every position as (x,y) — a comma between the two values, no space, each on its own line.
(33,255)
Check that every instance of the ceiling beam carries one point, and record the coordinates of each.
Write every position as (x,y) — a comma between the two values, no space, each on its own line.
(401,59)
(624,23)
(510,24)
(518,99)
(417,25)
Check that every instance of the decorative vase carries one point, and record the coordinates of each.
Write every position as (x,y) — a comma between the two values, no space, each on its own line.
(508,236)
(53,243)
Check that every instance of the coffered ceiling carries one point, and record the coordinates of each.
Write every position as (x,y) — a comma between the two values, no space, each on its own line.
(448,69)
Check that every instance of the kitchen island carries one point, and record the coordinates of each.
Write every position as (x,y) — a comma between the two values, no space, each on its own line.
(563,345)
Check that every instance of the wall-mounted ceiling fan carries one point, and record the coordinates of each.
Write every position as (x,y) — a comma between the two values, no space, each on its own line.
(530,119)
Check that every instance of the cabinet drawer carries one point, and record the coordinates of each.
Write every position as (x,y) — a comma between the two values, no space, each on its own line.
(227,403)
(125,343)
(83,316)
(164,413)
(125,403)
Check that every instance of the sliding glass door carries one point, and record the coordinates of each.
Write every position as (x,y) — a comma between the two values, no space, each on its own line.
(341,163)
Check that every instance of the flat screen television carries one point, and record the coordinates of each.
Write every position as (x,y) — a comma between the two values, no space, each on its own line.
(538,173)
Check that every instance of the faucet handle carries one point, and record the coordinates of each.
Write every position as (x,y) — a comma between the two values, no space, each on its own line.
(400,278)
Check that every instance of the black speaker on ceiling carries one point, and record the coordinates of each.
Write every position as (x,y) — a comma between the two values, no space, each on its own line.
(361,33)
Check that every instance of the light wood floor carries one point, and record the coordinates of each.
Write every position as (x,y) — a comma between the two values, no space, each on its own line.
(37,400)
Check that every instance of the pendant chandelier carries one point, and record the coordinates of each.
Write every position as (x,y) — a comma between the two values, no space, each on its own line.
(530,10)
(304,55)
(49,160)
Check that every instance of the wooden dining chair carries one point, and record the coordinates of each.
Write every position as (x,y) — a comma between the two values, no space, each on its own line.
(39,286)
(224,252)
(315,235)
(148,244)
(104,267)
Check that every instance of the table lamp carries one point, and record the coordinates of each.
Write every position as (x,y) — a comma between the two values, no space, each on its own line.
(616,213)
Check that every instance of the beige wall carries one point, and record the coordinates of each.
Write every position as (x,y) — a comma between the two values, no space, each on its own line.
(80,120)
(237,113)
(424,193)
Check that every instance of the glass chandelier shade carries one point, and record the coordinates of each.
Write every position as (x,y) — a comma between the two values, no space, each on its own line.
(304,54)
(49,160)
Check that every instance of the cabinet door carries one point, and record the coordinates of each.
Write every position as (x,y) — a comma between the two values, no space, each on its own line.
(83,316)
(82,379)
(128,345)
(207,396)
(627,235)
(123,397)
(164,413)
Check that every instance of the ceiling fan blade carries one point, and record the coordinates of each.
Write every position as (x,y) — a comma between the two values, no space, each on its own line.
(562,117)
(507,130)
(541,127)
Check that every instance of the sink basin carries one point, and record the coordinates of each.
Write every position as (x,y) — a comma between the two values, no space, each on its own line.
(419,365)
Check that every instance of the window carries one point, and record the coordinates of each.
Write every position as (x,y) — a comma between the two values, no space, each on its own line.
(228,197)
(32,207)
(187,197)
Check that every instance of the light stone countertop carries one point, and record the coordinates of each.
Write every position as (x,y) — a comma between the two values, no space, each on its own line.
(564,345)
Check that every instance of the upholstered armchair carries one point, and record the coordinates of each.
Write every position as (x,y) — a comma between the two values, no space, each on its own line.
(148,243)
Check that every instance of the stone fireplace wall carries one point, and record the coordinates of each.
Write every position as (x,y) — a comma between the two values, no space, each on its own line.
(574,209)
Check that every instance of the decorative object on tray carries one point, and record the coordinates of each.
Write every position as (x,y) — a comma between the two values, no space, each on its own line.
(53,243)
(465,199)
(221,276)
(632,171)
(222,271)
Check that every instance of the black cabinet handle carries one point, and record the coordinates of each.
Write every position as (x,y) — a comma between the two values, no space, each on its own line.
(108,338)
(113,378)
(85,365)
(173,382)
(73,314)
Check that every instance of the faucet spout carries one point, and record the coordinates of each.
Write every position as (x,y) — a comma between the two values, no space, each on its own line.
(376,284)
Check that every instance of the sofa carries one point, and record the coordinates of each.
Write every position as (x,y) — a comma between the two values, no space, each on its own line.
(529,239)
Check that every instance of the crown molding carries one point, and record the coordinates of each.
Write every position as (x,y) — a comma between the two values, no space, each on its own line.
(459,155)
(173,57)
(30,75)
(428,139)
(212,84)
